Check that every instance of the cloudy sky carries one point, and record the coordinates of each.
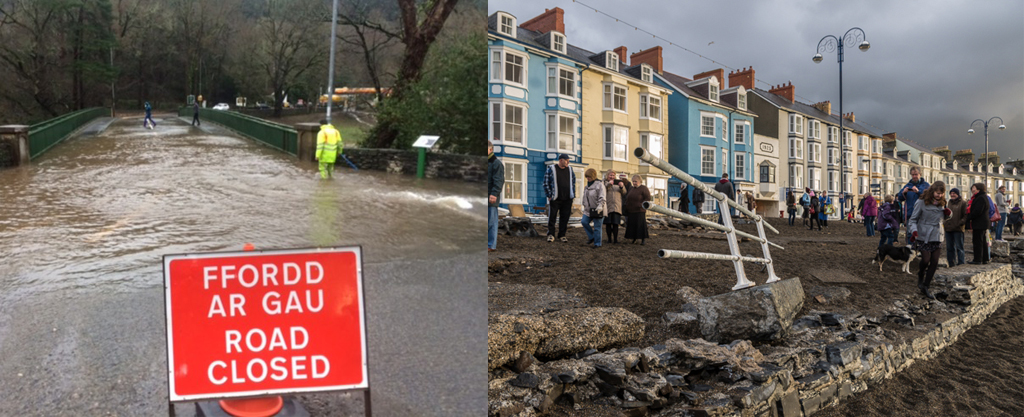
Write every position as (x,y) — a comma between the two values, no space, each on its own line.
(934,66)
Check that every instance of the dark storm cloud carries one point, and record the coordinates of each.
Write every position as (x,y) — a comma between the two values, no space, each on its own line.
(933,66)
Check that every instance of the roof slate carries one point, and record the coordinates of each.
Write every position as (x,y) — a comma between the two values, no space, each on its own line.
(809,110)
(679,82)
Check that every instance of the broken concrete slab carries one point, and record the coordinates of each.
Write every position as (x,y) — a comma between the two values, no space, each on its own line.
(759,313)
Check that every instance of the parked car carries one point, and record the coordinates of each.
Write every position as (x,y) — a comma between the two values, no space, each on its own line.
(221,106)
(262,106)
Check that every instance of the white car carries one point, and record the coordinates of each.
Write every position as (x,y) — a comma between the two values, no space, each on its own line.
(221,106)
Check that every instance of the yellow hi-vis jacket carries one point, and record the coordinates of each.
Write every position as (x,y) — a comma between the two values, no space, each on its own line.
(328,144)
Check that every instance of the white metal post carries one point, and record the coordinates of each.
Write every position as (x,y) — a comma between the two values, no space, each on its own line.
(767,255)
(734,247)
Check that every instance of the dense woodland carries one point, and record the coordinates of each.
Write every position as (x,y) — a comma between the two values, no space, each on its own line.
(58,56)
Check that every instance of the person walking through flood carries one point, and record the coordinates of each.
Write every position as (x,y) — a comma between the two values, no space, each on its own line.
(195,113)
(148,122)
(328,146)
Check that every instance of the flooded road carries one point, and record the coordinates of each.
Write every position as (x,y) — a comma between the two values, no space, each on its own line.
(83,229)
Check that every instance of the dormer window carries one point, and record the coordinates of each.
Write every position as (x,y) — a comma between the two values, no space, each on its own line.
(506,23)
(713,92)
(741,101)
(558,42)
(611,61)
(645,73)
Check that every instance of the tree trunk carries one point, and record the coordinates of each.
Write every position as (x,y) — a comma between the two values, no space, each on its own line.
(417,40)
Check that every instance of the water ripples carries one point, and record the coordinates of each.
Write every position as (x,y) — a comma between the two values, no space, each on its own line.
(99,212)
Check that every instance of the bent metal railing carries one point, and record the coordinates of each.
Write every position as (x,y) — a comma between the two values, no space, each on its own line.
(730,231)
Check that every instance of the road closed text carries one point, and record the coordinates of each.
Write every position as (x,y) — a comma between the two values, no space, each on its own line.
(274,321)
(281,343)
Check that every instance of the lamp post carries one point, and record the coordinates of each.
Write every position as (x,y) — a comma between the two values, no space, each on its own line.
(829,43)
(971,132)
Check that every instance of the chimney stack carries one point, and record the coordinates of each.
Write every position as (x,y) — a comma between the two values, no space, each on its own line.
(716,72)
(550,20)
(622,54)
(991,158)
(824,106)
(964,156)
(743,77)
(649,56)
(945,152)
(785,90)
(849,116)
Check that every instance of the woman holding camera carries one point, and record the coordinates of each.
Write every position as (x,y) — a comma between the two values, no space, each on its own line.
(593,207)
(636,221)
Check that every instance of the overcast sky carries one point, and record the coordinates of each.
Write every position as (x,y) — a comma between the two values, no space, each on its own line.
(934,66)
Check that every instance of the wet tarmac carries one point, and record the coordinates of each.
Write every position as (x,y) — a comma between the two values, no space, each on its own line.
(83,229)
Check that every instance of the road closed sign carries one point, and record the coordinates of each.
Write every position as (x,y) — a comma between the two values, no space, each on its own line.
(265,322)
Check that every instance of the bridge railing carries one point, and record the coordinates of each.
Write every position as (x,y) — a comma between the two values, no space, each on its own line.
(43,135)
(730,231)
(275,135)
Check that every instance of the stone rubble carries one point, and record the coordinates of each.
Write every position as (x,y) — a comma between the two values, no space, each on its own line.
(826,358)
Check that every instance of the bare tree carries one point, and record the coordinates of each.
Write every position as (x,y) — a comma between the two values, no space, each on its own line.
(371,34)
(289,43)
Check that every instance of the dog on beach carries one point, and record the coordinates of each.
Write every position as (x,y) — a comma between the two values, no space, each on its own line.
(897,253)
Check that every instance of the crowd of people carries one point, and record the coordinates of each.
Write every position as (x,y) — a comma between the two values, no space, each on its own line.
(611,202)
(929,216)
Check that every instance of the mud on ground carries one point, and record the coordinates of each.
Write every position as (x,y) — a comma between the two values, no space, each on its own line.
(632,276)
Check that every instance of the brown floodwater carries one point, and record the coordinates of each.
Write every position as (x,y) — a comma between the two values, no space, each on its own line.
(84,226)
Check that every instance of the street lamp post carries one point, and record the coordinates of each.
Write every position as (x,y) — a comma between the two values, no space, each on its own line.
(971,132)
(829,43)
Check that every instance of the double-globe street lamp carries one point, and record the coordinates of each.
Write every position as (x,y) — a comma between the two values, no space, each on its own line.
(971,132)
(829,43)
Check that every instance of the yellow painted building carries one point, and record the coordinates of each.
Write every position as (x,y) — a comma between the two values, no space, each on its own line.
(623,109)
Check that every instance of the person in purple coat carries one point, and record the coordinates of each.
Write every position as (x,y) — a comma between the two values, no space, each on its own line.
(888,222)
(869,212)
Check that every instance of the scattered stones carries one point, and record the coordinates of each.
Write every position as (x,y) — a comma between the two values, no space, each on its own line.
(829,293)
(518,226)
(803,374)
(760,313)
(844,353)
(688,295)
(741,355)
(525,380)
(831,319)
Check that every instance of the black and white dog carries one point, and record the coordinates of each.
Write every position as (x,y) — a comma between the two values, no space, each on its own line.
(897,253)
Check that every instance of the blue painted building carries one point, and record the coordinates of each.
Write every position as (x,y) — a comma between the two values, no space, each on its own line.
(534,103)
(711,132)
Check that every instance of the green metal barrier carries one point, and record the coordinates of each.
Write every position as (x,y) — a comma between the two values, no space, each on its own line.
(42,136)
(275,135)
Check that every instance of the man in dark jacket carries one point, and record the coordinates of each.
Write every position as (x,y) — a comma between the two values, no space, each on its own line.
(684,199)
(195,113)
(954,227)
(724,187)
(560,189)
(911,193)
(698,200)
(495,185)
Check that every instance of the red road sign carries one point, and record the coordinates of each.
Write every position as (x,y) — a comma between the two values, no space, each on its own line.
(267,322)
